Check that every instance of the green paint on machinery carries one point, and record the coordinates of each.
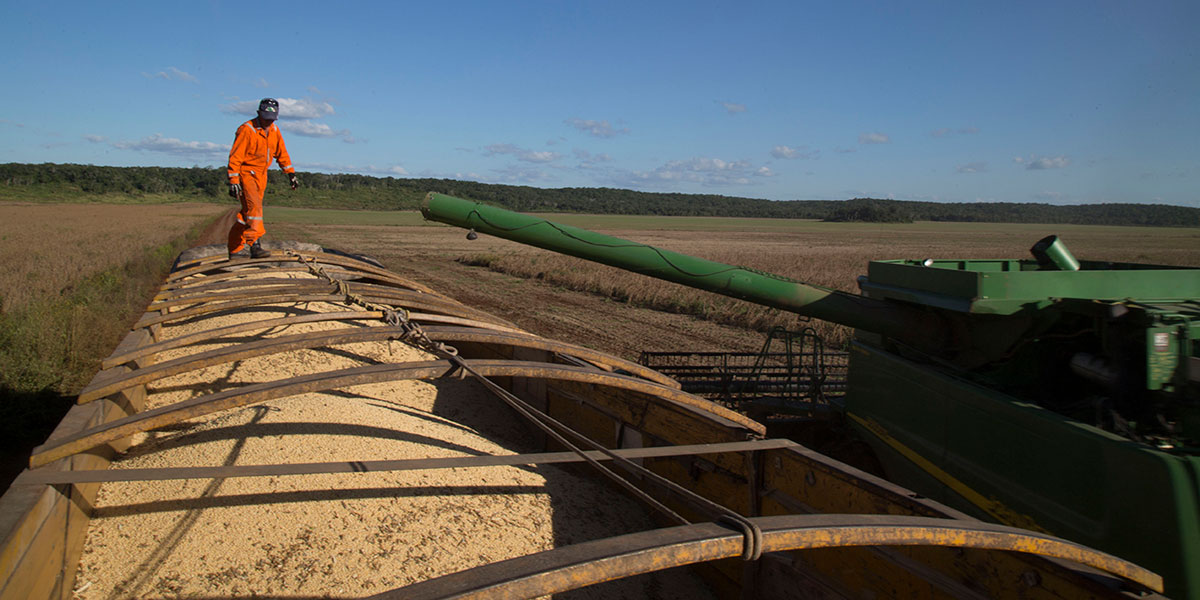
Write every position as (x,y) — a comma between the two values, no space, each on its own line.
(1051,393)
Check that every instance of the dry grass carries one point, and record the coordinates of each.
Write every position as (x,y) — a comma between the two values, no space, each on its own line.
(46,249)
(73,277)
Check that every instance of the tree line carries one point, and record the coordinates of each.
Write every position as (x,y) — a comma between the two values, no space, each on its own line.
(321,190)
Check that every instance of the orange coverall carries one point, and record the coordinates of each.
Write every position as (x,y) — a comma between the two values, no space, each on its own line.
(252,152)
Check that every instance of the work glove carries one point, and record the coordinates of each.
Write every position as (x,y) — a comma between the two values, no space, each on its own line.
(295,182)
(235,190)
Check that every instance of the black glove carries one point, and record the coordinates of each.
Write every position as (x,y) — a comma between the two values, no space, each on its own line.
(235,190)
(295,182)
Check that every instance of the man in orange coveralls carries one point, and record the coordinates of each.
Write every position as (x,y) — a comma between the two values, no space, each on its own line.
(255,144)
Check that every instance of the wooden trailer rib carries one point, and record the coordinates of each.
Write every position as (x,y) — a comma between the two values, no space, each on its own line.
(633,418)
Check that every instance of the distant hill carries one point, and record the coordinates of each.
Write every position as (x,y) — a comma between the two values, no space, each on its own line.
(319,190)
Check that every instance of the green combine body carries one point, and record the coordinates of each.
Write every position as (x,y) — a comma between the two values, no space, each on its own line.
(1087,428)
(1049,394)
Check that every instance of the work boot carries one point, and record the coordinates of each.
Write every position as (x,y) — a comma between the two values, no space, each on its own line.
(257,251)
(243,253)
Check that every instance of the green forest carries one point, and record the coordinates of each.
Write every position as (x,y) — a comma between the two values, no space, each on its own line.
(320,190)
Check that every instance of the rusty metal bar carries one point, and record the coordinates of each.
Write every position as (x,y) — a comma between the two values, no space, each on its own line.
(406,299)
(202,336)
(298,286)
(318,339)
(48,477)
(317,382)
(191,283)
(228,283)
(264,282)
(322,258)
(581,565)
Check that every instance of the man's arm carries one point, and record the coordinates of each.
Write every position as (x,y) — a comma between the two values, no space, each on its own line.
(237,156)
(285,163)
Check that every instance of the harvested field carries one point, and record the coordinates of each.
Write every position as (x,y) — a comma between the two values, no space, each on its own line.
(827,254)
(45,249)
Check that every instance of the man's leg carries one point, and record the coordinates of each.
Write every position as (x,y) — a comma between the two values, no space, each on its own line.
(235,233)
(252,212)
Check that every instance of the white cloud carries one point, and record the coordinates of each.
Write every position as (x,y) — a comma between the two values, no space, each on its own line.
(972,167)
(946,131)
(459,175)
(289,108)
(519,174)
(732,108)
(310,128)
(588,159)
(703,170)
(600,129)
(176,147)
(1051,196)
(873,137)
(171,74)
(789,152)
(95,139)
(520,153)
(261,82)
(1038,163)
(394,170)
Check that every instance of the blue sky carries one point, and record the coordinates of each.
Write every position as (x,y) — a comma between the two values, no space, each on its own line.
(1060,102)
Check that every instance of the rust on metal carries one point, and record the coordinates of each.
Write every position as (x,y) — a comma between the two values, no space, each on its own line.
(253,394)
(322,258)
(199,282)
(318,339)
(42,476)
(298,286)
(581,565)
(354,315)
(232,283)
(405,299)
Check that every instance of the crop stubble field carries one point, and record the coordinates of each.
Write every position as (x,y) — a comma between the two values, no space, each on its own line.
(46,249)
(528,285)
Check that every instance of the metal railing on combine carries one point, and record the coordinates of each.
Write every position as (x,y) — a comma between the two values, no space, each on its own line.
(793,373)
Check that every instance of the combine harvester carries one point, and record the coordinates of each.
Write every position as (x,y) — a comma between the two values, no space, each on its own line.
(1046,394)
(313,425)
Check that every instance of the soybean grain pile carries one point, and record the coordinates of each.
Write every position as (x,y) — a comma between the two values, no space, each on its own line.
(339,535)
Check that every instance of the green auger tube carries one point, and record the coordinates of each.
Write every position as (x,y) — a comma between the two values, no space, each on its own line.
(914,325)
